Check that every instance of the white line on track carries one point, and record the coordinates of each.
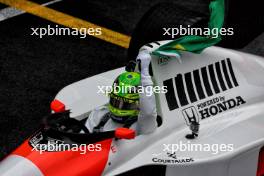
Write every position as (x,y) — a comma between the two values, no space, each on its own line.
(10,12)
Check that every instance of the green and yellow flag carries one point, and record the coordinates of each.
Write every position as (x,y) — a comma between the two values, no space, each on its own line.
(193,43)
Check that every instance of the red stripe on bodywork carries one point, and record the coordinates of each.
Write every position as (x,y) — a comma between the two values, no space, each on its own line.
(70,163)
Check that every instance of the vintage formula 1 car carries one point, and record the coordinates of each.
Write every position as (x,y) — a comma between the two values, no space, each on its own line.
(221,89)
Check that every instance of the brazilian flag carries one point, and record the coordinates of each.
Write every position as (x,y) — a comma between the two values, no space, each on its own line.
(193,43)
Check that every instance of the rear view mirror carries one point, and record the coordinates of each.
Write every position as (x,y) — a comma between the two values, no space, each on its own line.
(57,106)
(125,133)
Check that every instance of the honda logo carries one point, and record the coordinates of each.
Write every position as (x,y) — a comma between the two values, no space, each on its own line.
(190,115)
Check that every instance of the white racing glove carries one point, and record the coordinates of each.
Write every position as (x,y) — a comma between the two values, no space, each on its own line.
(147,116)
(144,60)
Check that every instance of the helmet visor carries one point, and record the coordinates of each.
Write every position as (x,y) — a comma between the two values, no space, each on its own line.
(123,103)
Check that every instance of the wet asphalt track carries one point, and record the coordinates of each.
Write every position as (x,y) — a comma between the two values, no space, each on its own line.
(33,70)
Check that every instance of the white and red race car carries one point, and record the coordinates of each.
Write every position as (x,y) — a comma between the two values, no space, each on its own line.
(222,89)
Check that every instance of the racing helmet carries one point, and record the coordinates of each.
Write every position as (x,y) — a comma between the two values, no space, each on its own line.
(124,97)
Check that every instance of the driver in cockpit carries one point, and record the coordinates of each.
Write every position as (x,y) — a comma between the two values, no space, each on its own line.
(127,107)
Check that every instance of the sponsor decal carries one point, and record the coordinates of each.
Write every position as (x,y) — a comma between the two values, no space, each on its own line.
(36,139)
(199,84)
(36,142)
(163,60)
(113,149)
(46,144)
(190,115)
(218,105)
(211,108)
(171,158)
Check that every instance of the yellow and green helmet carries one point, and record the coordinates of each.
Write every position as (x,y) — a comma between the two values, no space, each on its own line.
(124,97)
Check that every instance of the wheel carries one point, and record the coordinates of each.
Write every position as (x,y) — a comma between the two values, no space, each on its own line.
(163,15)
(159,170)
(246,25)
(247,20)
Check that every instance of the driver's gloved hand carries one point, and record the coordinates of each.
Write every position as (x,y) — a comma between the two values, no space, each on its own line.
(143,59)
(131,65)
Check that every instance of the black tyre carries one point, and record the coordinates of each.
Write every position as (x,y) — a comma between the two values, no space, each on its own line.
(157,170)
(247,20)
(246,24)
(163,15)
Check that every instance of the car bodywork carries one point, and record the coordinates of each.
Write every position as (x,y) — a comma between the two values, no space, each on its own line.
(221,89)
